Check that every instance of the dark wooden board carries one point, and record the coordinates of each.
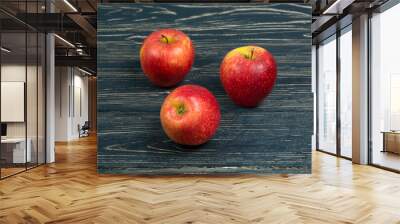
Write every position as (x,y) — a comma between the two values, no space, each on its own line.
(272,138)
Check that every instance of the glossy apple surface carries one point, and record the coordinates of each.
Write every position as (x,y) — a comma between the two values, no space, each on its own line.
(166,56)
(190,115)
(248,75)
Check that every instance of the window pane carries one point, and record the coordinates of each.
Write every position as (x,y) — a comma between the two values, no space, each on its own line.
(327,95)
(346,92)
(385,86)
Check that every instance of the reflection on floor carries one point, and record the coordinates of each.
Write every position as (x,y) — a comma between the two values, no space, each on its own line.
(11,169)
(71,191)
(387,159)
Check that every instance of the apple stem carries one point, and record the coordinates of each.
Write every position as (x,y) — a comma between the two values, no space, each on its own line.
(181,109)
(252,52)
(166,38)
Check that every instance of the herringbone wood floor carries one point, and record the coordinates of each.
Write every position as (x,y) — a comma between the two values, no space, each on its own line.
(70,191)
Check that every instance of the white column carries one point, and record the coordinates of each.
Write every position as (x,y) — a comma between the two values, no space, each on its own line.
(360,90)
(50,99)
(50,93)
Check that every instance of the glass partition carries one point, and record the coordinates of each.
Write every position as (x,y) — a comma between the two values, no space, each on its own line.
(31,99)
(13,109)
(22,77)
(41,97)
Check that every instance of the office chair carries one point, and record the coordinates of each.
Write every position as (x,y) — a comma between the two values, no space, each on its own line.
(84,130)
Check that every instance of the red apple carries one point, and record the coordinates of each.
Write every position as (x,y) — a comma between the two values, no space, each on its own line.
(190,115)
(166,57)
(248,75)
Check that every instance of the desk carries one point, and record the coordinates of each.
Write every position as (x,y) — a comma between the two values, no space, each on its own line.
(391,141)
(18,151)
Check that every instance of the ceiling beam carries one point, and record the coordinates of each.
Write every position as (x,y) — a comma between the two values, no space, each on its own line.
(78,61)
(80,20)
(337,7)
(84,24)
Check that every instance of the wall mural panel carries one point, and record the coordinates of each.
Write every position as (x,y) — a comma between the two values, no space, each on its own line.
(274,137)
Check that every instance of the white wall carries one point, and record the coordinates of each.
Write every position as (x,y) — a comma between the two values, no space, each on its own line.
(71,87)
(62,81)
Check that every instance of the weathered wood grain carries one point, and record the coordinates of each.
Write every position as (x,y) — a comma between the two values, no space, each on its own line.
(272,138)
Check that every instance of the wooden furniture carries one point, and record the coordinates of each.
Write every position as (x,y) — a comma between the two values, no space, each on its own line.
(14,150)
(391,141)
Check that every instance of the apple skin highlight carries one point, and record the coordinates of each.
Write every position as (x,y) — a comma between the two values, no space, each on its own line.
(248,75)
(166,57)
(190,115)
